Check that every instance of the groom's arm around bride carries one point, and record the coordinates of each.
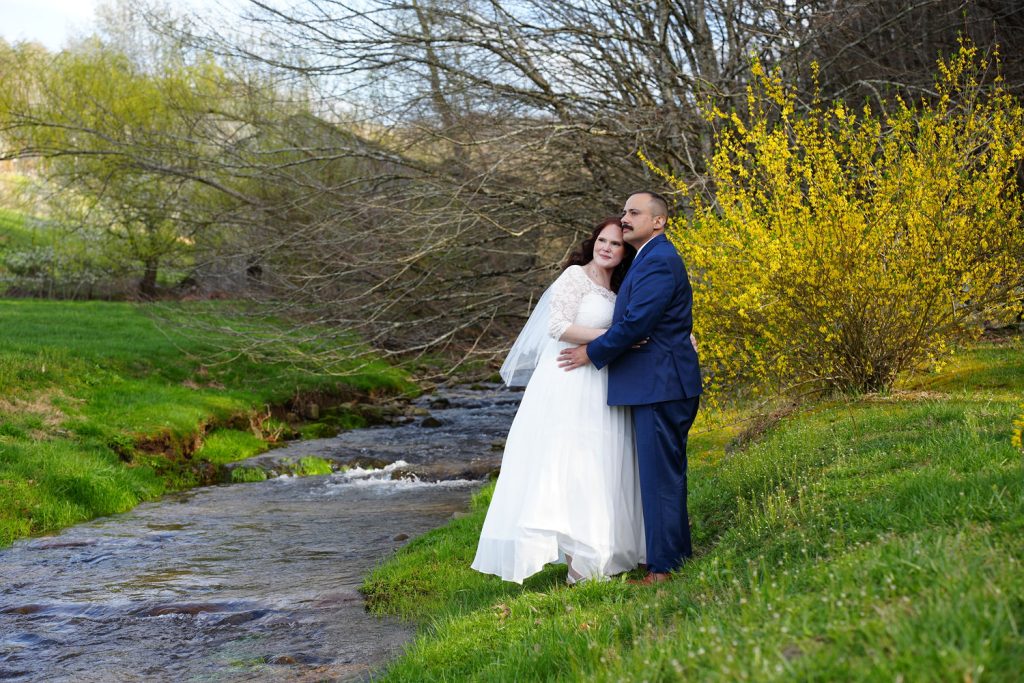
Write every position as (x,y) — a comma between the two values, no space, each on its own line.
(660,379)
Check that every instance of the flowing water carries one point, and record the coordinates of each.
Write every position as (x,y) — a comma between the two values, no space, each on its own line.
(249,581)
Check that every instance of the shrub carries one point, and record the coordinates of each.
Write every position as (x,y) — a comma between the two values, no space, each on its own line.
(842,248)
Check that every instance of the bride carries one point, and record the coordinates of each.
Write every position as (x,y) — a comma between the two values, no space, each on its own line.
(568,488)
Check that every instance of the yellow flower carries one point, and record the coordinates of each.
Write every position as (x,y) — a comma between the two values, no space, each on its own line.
(827,251)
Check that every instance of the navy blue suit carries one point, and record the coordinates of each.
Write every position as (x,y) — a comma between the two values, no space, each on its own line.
(661,381)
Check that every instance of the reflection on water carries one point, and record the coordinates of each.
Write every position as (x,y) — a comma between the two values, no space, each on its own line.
(243,582)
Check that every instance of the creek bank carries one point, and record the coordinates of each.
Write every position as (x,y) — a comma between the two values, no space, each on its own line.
(453,433)
(178,459)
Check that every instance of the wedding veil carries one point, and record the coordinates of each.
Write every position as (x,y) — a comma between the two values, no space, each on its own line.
(526,351)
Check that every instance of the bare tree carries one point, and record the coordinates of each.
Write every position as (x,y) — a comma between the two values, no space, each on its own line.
(874,48)
(459,147)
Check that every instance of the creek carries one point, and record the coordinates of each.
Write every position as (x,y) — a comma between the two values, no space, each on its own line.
(249,581)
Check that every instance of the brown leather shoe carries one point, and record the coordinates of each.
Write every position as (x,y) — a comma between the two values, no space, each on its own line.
(651,579)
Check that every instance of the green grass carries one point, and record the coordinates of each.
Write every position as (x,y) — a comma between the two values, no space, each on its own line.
(310,466)
(871,539)
(243,475)
(49,484)
(94,395)
(228,445)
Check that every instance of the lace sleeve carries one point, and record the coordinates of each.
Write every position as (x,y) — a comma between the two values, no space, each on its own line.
(567,293)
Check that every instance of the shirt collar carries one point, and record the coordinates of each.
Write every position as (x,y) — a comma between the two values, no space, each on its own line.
(645,245)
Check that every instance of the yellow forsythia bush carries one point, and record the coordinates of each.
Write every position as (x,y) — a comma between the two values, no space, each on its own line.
(842,247)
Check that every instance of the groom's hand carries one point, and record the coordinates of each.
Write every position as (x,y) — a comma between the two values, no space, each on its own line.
(573,357)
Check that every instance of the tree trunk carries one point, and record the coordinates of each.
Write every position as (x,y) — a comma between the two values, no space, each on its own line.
(147,285)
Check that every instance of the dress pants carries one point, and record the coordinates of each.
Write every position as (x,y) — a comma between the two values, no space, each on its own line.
(661,430)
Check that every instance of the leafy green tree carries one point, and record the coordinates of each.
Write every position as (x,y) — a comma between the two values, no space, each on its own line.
(123,147)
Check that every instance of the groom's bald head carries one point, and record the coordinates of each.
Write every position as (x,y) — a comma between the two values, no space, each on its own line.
(658,205)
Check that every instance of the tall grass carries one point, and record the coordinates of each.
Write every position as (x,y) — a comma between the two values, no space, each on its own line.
(871,539)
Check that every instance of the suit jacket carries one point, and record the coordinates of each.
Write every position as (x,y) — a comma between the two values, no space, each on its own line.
(655,303)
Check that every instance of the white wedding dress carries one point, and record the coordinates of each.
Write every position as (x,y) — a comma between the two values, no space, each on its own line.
(568,483)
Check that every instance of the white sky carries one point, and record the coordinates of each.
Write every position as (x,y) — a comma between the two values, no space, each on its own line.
(50,22)
(54,22)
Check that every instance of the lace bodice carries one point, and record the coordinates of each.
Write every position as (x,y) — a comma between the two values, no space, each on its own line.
(575,298)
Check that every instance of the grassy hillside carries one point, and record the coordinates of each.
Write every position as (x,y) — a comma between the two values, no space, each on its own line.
(94,397)
(871,539)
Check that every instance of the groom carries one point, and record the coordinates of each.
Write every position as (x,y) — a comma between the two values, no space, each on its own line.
(652,366)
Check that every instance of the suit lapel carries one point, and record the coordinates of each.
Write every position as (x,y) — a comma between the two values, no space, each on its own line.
(648,248)
(627,283)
